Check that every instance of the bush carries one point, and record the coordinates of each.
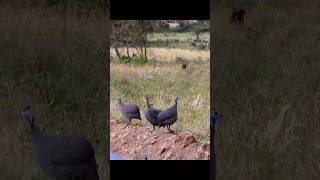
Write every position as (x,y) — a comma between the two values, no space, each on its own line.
(202,46)
(124,60)
(136,60)
(139,60)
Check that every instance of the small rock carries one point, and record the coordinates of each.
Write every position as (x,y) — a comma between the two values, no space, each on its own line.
(189,139)
(178,138)
(154,141)
(205,147)
(162,150)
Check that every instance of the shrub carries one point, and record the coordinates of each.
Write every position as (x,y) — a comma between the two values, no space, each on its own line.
(139,60)
(124,60)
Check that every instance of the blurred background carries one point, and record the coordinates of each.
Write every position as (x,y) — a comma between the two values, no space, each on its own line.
(266,84)
(53,56)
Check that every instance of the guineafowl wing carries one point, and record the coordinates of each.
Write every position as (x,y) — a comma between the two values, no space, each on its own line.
(167,114)
(155,113)
(129,108)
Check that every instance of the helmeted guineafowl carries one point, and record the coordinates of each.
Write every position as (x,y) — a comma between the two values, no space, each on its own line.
(214,116)
(130,111)
(68,156)
(169,116)
(151,114)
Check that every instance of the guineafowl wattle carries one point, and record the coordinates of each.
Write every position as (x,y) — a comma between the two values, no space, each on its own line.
(67,156)
(214,117)
(130,111)
(169,116)
(151,114)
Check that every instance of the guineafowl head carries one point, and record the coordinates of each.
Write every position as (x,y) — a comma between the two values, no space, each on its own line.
(176,99)
(119,99)
(147,98)
(214,117)
(27,115)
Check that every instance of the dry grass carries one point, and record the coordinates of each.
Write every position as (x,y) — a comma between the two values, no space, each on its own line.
(169,54)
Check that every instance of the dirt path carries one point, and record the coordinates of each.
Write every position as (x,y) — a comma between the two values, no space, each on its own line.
(134,142)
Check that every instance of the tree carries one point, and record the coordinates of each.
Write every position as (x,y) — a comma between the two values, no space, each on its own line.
(120,36)
(200,26)
(131,34)
(140,30)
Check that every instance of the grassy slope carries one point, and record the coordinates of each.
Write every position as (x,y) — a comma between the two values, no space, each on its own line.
(58,67)
(162,81)
(267,84)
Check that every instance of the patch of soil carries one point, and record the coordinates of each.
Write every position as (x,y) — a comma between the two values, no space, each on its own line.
(136,143)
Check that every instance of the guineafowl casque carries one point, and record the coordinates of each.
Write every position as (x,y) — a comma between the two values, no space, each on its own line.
(151,114)
(215,116)
(130,111)
(169,116)
(68,156)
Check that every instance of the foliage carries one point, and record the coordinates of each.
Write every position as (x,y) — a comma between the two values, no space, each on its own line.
(124,59)
(140,60)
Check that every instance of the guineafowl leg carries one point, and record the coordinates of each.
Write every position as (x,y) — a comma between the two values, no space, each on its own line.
(129,123)
(168,127)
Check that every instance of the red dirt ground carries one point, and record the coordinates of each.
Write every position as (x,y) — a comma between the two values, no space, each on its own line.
(136,143)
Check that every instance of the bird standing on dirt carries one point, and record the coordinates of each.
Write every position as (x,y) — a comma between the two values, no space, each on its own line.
(68,156)
(130,111)
(151,114)
(169,116)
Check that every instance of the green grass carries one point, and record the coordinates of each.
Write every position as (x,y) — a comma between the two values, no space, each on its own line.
(56,65)
(163,81)
(266,84)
